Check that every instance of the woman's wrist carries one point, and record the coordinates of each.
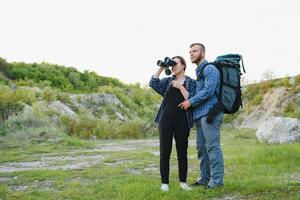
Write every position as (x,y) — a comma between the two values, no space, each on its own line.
(157,73)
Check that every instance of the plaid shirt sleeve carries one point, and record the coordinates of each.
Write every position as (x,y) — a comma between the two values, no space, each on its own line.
(191,88)
(211,79)
(159,85)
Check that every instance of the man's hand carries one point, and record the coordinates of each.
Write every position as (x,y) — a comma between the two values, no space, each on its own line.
(185,105)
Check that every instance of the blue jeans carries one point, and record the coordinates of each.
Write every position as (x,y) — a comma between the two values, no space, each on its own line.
(209,151)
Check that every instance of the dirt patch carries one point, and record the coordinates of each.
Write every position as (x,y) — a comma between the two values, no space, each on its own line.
(155,153)
(295,176)
(5,180)
(231,197)
(76,161)
(116,148)
(116,162)
(81,180)
(54,163)
(36,184)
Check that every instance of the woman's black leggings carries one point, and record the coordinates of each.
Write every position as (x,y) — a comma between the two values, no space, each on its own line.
(180,130)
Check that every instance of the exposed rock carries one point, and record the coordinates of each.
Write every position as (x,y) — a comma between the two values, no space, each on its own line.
(92,100)
(27,109)
(292,80)
(121,117)
(18,187)
(98,104)
(279,130)
(61,108)
(261,112)
(93,137)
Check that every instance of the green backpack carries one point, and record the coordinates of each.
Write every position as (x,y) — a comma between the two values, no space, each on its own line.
(229,94)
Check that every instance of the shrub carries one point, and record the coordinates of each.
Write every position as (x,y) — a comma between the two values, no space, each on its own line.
(49,94)
(131,129)
(44,84)
(26,96)
(11,102)
(285,82)
(290,107)
(228,119)
(27,127)
(4,66)
(107,130)
(265,87)
(291,110)
(25,82)
(3,131)
(297,80)
(64,97)
(257,99)
(83,127)
(3,81)
(251,90)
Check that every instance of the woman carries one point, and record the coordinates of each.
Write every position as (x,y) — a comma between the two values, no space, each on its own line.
(173,121)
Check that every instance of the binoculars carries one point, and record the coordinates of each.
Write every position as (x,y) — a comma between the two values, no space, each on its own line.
(168,62)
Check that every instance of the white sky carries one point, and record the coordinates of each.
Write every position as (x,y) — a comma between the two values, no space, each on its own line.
(124,39)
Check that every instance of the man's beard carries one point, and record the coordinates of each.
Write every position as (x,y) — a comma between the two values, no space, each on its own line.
(198,59)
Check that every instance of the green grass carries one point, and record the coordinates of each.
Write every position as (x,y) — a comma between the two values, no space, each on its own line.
(252,171)
(11,152)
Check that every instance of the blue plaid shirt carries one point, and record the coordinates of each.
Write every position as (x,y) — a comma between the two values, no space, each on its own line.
(204,97)
(161,86)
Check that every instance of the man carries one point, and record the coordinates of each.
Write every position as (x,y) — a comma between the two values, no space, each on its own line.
(208,134)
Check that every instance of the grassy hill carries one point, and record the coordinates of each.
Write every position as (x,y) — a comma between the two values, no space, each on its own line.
(103,107)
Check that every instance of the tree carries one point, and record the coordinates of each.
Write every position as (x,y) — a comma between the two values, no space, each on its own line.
(74,78)
(268,75)
(3,65)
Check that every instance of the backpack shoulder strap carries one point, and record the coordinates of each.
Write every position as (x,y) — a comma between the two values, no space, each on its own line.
(201,74)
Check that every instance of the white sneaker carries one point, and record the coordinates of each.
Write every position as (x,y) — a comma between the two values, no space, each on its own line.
(185,186)
(164,187)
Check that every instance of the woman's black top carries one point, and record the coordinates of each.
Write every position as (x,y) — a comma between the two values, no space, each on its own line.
(171,110)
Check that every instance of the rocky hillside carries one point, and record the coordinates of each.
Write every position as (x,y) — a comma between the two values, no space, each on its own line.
(278,97)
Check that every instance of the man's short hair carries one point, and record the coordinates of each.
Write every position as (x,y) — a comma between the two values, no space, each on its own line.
(199,44)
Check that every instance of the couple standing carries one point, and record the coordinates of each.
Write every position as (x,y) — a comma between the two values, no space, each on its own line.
(186,101)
